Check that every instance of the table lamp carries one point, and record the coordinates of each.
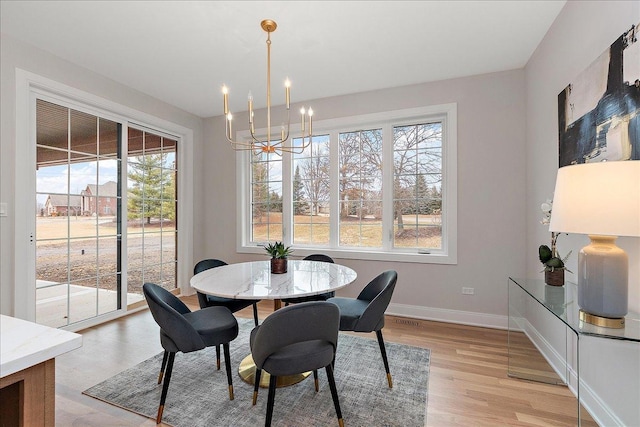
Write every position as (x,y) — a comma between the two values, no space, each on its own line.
(601,200)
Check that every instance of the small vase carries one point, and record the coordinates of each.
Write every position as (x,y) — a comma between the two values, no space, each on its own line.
(555,277)
(278,265)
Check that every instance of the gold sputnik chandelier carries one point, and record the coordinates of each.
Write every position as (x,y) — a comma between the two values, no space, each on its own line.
(276,142)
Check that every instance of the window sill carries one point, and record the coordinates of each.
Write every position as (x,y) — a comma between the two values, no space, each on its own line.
(371,255)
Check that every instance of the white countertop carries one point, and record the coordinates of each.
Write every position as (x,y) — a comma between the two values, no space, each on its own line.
(24,344)
(253,280)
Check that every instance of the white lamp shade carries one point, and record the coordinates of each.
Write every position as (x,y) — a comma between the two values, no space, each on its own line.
(598,198)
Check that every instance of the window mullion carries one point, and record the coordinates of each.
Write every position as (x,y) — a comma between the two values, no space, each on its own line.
(387,187)
(334,190)
(287,198)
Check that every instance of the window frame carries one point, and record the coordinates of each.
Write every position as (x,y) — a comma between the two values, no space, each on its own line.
(446,113)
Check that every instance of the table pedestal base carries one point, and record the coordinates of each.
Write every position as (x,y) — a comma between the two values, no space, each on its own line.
(247,372)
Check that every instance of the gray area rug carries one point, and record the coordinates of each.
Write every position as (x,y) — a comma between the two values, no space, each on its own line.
(198,393)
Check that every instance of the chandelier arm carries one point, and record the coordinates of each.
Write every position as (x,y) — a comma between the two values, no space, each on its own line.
(290,148)
(253,136)
(234,144)
(284,138)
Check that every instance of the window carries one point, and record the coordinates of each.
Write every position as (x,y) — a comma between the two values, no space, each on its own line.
(310,193)
(417,186)
(381,186)
(360,183)
(266,197)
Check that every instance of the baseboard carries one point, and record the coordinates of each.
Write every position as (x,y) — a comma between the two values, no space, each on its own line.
(450,316)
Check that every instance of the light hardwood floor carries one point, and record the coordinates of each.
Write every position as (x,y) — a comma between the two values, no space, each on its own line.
(468,382)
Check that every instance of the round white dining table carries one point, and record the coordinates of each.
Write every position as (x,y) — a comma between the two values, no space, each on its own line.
(254,280)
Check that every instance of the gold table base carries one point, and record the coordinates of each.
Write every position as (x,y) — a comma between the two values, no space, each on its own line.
(247,371)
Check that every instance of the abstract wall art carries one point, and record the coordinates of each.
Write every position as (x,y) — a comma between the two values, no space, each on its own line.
(599,111)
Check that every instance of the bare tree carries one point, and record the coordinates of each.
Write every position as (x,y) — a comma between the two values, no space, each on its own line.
(315,169)
(360,170)
(417,152)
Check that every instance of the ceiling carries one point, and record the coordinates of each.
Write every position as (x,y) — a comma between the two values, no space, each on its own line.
(182,52)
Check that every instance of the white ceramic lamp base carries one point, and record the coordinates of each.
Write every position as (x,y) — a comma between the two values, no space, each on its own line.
(603,281)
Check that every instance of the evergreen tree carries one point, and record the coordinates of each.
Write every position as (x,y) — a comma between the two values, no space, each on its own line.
(152,193)
(423,195)
(300,204)
(260,189)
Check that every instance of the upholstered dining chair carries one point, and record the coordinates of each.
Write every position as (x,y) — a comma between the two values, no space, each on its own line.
(213,301)
(296,339)
(366,312)
(187,331)
(320,297)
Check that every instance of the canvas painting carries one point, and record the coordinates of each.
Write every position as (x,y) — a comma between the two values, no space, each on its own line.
(599,112)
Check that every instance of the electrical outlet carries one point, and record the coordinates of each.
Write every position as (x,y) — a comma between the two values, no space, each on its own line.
(467,291)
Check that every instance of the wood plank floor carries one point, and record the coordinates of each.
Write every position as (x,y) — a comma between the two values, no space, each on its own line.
(468,382)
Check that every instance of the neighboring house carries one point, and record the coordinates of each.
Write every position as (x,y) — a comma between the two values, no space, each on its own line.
(61,205)
(100,199)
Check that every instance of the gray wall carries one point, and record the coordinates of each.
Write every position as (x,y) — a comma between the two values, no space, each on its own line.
(491,199)
(582,31)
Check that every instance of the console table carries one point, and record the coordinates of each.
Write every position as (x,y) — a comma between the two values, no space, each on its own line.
(526,298)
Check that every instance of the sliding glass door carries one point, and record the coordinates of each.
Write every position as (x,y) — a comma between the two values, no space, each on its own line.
(93,249)
(151,210)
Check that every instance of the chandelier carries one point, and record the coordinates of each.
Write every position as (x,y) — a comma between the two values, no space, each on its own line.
(276,142)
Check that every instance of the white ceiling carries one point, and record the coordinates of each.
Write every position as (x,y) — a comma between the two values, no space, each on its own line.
(182,52)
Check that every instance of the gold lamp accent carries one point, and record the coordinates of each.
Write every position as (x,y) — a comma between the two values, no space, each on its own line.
(276,145)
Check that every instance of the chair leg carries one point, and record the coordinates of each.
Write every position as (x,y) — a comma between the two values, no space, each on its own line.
(383,351)
(315,379)
(165,387)
(255,313)
(218,357)
(256,385)
(227,363)
(270,400)
(164,365)
(334,394)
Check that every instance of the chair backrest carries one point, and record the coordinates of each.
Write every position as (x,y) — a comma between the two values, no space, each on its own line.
(201,266)
(307,321)
(167,310)
(378,293)
(206,264)
(319,257)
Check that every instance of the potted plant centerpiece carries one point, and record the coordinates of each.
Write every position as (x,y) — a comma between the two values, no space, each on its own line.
(279,254)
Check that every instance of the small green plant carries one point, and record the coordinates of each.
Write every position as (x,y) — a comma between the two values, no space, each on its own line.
(277,250)
(550,261)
